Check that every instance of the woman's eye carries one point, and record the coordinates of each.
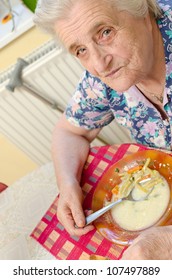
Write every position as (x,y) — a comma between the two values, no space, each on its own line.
(106,36)
(106,32)
(80,51)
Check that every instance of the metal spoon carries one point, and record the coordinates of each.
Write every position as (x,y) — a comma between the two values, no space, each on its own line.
(89,219)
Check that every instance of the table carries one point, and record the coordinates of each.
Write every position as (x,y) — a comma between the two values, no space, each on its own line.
(22,205)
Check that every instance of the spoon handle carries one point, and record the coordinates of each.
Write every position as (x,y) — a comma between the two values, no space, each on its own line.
(89,219)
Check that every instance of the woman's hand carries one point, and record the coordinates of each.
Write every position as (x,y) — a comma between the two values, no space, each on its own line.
(70,212)
(153,244)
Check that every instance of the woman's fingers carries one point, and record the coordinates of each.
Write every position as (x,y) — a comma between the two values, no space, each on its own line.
(78,215)
(71,216)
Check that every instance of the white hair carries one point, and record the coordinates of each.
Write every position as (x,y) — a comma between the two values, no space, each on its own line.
(49,11)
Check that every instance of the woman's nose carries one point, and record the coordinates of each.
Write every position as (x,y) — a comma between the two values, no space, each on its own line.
(100,59)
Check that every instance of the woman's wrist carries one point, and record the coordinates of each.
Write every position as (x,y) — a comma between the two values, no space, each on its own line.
(68,184)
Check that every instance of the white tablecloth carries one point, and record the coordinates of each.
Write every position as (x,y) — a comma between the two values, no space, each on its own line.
(22,205)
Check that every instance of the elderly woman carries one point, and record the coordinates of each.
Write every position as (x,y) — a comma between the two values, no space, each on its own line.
(125,47)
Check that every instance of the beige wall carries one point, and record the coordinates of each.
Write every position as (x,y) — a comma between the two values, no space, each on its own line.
(14,164)
(21,47)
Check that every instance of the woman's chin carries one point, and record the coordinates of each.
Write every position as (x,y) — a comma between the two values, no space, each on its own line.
(124,85)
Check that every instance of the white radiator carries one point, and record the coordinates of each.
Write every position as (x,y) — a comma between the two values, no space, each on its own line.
(28,122)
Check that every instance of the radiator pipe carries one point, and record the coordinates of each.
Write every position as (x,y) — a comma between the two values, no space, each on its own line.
(16,81)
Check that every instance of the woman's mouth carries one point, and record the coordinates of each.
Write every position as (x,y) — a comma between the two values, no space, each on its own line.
(113,73)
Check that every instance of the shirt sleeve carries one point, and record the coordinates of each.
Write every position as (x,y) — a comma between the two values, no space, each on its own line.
(89,106)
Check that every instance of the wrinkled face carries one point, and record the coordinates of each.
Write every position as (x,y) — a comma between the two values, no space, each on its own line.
(114,46)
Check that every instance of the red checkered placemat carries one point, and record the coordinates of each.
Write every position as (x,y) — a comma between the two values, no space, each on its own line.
(52,235)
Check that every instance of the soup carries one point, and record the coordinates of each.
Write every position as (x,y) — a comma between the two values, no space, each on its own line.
(138,215)
(151,192)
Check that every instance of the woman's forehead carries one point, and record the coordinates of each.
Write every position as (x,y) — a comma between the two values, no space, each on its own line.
(85,20)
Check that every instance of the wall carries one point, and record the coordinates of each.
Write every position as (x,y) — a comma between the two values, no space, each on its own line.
(14,164)
(21,47)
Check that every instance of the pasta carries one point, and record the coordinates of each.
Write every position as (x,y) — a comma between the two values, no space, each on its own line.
(139,177)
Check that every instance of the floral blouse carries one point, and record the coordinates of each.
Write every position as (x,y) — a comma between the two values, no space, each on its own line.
(94,104)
